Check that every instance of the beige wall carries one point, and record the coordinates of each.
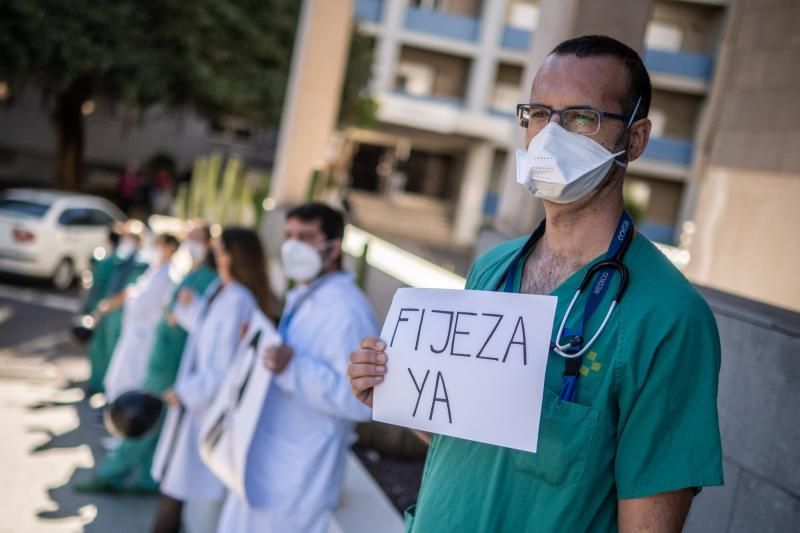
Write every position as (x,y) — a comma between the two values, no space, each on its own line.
(747,237)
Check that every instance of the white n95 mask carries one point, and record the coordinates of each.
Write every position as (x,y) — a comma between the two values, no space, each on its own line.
(197,250)
(561,166)
(126,248)
(301,261)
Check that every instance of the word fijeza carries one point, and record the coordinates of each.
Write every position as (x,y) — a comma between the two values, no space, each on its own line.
(459,324)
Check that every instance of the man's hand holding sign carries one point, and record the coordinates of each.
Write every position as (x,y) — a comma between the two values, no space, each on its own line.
(469,364)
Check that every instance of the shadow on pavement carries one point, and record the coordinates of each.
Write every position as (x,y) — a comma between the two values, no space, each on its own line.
(101,513)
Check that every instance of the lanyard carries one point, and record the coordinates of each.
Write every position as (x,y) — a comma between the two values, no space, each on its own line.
(288,316)
(575,347)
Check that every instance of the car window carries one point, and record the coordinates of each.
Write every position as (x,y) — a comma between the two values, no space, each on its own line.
(77,217)
(101,218)
(23,207)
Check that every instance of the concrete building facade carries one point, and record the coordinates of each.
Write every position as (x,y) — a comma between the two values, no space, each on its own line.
(447,77)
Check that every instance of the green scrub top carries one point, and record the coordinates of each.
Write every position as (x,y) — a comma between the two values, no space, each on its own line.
(644,420)
(101,276)
(165,355)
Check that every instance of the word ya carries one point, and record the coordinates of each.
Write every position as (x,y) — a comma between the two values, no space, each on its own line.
(452,333)
(439,393)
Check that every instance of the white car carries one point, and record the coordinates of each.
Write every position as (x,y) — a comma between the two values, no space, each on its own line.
(52,234)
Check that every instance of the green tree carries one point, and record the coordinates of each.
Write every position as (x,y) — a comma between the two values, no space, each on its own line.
(357,107)
(219,56)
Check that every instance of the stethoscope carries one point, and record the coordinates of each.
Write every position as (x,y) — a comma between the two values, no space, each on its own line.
(570,343)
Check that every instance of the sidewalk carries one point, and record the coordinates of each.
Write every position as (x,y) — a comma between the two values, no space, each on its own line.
(50,441)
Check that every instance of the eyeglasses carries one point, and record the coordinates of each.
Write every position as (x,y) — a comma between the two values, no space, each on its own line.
(583,120)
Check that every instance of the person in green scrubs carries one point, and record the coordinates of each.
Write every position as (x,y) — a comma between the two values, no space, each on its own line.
(102,268)
(641,435)
(127,467)
(116,273)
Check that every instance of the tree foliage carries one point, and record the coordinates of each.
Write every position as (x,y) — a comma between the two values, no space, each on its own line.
(358,108)
(220,56)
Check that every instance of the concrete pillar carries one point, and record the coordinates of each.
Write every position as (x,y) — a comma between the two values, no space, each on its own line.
(469,211)
(483,69)
(560,20)
(387,49)
(309,114)
(748,171)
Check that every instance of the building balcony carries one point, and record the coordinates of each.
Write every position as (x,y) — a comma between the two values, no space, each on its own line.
(516,38)
(446,116)
(369,10)
(442,24)
(683,64)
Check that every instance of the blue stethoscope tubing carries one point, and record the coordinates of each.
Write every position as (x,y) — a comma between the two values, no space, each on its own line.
(575,347)
(611,264)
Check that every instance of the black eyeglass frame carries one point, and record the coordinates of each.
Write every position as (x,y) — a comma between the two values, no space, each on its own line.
(523,122)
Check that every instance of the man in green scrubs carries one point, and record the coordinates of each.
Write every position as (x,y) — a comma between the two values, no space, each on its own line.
(641,434)
(127,468)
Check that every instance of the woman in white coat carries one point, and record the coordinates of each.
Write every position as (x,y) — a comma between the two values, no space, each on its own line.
(215,323)
(142,306)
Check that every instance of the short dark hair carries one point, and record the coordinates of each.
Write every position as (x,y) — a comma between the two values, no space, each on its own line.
(601,45)
(169,239)
(331,221)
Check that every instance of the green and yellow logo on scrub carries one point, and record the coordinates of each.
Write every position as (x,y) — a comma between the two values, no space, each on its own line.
(595,366)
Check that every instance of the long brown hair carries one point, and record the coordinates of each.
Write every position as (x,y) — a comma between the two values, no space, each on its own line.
(249,266)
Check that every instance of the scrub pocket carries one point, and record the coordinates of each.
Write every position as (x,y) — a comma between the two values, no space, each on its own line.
(565,436)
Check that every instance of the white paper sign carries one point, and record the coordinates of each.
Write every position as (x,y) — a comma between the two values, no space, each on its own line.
(468,364)
(229,424)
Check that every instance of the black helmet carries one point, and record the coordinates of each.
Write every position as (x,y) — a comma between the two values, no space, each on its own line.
(133,414)
(82,327)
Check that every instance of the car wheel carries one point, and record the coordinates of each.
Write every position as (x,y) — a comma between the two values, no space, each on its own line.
(64,275)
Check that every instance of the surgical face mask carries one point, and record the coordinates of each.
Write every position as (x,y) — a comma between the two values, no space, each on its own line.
(301,261)
(197,250)
(150,254)
(126,248)
(561,166)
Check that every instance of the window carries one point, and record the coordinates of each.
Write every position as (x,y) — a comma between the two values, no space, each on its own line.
(77,217)
(659,120)
(22,207)
(101,218)
(415,79)
(663,36)
(523,15)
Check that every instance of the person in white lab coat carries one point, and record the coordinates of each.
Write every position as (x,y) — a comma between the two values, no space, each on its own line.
(214,322)
(296,462)
(142,307)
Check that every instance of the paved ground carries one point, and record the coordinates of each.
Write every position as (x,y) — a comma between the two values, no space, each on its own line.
(49,433)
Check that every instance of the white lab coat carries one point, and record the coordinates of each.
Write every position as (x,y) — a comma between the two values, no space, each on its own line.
(143,308)
(296,463)
(210,349)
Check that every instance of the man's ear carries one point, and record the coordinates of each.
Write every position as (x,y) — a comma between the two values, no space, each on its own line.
(336,249)
(638,136)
